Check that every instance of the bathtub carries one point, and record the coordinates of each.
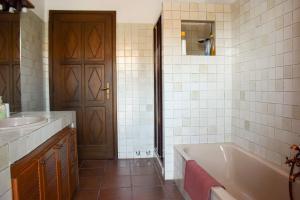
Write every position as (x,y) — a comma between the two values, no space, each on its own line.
(244,175)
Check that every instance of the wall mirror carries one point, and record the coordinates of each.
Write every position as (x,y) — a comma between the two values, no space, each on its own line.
(198,38)
(21,60)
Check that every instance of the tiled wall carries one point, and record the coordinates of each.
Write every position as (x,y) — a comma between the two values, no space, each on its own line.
(135,90)
(32,29)
(197,89)
(266,77)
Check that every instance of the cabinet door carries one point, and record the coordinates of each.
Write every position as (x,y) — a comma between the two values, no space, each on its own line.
(62,149)
(73,162)
(50,175)
(26,184)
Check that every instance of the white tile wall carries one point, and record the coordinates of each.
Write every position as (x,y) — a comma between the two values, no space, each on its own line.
(135,90)
(266,97)
(197,89)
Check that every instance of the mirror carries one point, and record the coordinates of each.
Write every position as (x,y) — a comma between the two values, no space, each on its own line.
(21,61)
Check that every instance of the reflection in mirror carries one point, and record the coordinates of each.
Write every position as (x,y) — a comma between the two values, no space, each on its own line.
(21,61)
(10,88)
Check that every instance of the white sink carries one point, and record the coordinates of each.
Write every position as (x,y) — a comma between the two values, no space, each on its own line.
(21,122)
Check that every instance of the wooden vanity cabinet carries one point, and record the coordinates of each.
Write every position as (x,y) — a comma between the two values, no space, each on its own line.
(50,171)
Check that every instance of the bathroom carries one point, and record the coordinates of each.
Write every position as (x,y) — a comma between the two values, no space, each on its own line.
(141,117)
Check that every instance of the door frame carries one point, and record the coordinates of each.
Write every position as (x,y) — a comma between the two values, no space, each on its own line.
(114,71)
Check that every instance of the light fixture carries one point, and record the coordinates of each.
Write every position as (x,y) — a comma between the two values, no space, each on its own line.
(1,5)
(11,9)
(12,6)
(24,10)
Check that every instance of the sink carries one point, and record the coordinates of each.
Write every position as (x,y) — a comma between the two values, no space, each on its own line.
(21,122)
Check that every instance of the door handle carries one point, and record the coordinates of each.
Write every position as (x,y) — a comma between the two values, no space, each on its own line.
(107,89)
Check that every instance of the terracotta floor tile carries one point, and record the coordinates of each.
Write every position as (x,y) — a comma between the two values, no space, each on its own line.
(90,182)
(116,194)
(91,172)
(115,182)
(117,171)
(146,180)
(141,162)
(93,164)
(147,170)
(134,179)
(87,195)
(119,163)
(149,193)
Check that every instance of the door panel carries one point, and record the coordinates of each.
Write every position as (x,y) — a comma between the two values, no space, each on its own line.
(4,42)
(71,40)
(16,41)
(64,168)
(4,82)
(94,84)
(95,126)
(83,45)
(26,186)
(94,41)
(16,88)
(49,167)
(72,85)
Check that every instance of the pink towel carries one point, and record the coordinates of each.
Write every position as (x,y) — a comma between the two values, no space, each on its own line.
(198,182)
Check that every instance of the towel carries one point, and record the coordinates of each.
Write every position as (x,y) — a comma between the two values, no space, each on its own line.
(198,182)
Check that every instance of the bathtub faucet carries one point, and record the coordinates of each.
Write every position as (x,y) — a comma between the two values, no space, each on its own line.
(292,162)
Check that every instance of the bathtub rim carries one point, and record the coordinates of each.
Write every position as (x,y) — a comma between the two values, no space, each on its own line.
(180,149)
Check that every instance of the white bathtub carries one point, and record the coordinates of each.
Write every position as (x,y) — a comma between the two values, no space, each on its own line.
(245,176)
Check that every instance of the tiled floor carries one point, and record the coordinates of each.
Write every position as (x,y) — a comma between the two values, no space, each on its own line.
(123,180)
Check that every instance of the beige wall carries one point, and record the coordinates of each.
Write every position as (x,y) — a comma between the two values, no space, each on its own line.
(266,77)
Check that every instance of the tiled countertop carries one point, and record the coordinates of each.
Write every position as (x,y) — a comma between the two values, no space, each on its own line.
(15,144)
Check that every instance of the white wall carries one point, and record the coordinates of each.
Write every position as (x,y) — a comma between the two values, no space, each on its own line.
(135,90)
(128,11)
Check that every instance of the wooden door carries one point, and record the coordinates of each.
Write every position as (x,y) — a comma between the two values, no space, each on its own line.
(49,167)
(82,46)
(158,106)
(10,88)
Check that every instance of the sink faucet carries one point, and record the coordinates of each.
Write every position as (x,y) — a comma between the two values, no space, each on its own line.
(292,162)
